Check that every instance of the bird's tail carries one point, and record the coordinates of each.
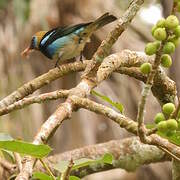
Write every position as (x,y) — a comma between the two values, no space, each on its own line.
(102,21)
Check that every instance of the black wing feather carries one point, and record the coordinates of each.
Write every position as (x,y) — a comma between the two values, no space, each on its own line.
(60,32)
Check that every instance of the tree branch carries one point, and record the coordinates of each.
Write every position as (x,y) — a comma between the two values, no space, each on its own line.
(126,123)
(42,80)
(34,99)
(120,119)
(145,93)
(163,88)
(123,152)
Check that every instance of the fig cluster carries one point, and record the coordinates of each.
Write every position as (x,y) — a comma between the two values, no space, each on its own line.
(163,120)
(166,31)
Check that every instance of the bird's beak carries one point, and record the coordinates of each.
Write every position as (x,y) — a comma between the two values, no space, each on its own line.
(26,52)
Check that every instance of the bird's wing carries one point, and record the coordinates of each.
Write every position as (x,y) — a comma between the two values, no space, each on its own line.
(59,32)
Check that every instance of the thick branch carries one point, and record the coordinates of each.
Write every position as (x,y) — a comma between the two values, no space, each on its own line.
(123,151)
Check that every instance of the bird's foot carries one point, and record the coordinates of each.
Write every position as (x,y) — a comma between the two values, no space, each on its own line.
(81,57)
(57,64)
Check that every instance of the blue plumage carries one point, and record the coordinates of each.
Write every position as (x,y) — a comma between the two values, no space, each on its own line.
(57,44)
(67,42)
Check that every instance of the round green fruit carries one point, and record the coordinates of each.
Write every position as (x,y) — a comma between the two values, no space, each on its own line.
(175,41)
(159,117)
(166,60)
(169,48)
(177,31)
(162,126)
(150,48)
(160,34)
(145,68)
(172,124)
(157,43)
(160,23)
(168,108)
(171,22)
(153,29)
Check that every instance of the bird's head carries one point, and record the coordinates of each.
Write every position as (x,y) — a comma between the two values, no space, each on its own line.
(35,41)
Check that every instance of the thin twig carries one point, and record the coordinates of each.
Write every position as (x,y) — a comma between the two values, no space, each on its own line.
(151,131)
(170,154)
(65,175)
(47,169)
(145,93)
(175,113)
(34,99)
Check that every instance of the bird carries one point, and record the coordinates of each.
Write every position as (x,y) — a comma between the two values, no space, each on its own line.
(67,42)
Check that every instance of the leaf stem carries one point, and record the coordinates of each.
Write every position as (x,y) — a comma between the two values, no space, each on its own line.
(48,169)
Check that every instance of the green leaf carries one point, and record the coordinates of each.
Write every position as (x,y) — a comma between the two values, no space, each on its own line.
(83,162)
(41,176)
(173,136)
(74,178)
(8,155)
(108,158)
(117,105)
(38,151)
